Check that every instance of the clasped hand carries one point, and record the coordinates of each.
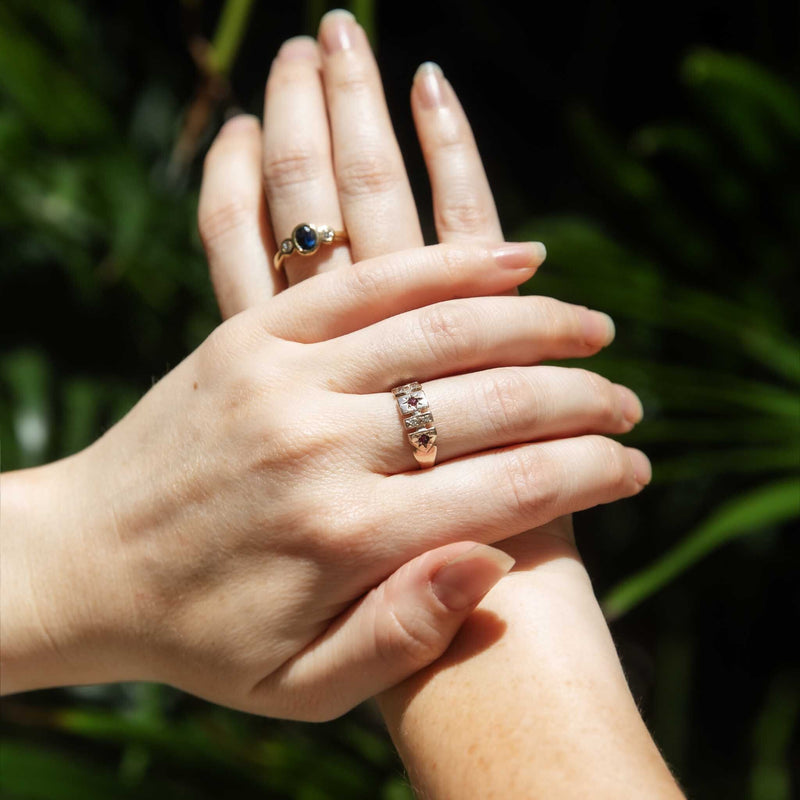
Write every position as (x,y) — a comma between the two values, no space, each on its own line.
(256,531)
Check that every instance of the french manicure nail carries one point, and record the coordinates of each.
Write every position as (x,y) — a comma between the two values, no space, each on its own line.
(430,80)
(631,405)
(642,469)
(336,30)
(239,122)
(519,255)
(598,328)
(298,48)
(464,581)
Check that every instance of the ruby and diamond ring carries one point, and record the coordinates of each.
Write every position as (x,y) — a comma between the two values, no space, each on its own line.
(417,421)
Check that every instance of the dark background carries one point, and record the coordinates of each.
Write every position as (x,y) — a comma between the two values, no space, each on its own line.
(654,149)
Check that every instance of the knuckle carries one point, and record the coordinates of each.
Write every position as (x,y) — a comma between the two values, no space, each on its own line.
(367,285)
(368,173)
(355,80)
(463,211)
(231,216)
(616,465)
(603,398)
(554,318)
(505,396)
(290,167)
(449,331)
(532,485)
(410,639)
(454,262)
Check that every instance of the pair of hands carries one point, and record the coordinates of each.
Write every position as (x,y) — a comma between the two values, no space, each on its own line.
(255,531)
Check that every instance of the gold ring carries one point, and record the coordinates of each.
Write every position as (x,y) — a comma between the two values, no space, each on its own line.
(306,239)
(417,421)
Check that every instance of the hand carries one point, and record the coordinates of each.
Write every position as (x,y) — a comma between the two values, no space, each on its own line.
(218,537)
(351,170)
(222,537)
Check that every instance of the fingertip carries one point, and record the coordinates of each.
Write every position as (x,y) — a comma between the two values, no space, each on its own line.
(429,86)
(299,48)
(642,468)
(520,255)
(598,328)
(240,123)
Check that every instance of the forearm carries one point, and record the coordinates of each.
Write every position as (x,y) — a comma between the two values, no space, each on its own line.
(58,613)
(530,701)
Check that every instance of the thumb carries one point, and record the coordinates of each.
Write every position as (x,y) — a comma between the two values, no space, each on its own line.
(395,630)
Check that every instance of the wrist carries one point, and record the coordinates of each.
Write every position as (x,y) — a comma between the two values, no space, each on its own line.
(64,601)
(536,667)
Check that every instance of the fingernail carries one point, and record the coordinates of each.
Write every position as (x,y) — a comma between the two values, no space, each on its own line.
(598,328)
(519,255)
(430,82)
(642,469)
(238,123)
(631,405)
(464,581)
(336,30)
(299,48)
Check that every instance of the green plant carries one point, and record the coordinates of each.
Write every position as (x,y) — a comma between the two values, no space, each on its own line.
(720,372)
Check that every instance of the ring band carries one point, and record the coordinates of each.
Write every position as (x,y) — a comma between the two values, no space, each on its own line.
(305,240)
(417,421)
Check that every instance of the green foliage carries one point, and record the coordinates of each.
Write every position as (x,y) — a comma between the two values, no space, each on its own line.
(693,250)
(720,373)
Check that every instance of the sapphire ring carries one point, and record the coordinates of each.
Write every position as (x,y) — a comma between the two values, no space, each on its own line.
(305,240)
(417,422)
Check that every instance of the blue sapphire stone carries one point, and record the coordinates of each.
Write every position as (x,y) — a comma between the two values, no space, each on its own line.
(305,238)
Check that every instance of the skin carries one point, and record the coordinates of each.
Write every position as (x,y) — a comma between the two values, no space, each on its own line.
(530,699)
(255,531)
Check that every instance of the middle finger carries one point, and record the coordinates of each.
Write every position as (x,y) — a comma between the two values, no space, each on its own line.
(374,190)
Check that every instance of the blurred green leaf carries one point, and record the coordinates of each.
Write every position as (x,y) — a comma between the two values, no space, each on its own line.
(53,99)
(37,773)
(766,506)
(771,775)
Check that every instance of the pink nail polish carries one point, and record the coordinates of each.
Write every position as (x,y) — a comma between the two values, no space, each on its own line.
(239,122)
(642,469)
(299,48)
(464,581)
(519,255)
(631,405)
(430,84)
(337,31)
(598,328)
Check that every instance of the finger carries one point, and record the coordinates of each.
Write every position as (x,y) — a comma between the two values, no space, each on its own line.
(374,191)
(298,167)
(401,626)
(359,295)
(498,408)
(463,336)
(494,495)
(463,205)
(232,218)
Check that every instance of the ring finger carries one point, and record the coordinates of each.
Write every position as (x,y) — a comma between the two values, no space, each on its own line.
(298,168)
(499,407)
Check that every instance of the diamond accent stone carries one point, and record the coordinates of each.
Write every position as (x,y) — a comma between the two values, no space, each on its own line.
(326,233)
(406,389)
(418,421)
(286,246)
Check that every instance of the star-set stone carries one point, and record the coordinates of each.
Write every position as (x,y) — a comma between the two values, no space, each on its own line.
(418,421)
